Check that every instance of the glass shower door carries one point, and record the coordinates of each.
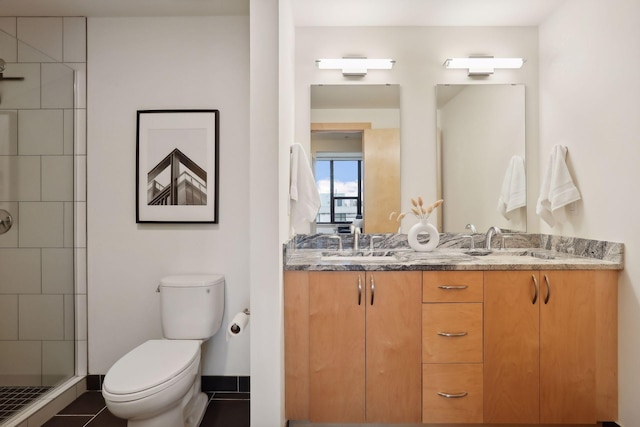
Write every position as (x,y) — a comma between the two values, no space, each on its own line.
(37,219)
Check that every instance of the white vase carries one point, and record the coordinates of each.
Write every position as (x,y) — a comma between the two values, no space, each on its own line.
(423,227)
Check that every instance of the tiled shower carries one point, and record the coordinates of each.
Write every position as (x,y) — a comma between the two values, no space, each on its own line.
(42,186)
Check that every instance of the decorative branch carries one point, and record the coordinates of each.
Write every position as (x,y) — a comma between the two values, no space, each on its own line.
(418,210)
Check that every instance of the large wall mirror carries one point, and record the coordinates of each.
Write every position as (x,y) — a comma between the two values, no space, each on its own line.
(481,156)
(355,149)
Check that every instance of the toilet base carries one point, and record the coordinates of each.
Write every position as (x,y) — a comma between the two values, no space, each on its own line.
(171,417)
(197,410)
(177,416)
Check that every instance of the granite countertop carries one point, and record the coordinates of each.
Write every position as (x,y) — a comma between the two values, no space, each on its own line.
(539,253)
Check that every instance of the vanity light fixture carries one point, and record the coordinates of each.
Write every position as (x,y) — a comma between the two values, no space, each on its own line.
(357,67)
(484,65)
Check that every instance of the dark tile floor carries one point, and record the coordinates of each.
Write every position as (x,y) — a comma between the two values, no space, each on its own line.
(89,410)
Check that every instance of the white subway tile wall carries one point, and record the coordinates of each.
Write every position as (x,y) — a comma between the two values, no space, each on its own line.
(9,317)
(40,132)
(43,35)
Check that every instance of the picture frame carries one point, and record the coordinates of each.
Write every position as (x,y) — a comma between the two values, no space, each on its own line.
(177,162)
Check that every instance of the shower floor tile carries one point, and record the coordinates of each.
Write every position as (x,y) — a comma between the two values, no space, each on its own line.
(14,398)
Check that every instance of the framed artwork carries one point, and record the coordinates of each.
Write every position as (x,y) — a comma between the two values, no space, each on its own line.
(177,166)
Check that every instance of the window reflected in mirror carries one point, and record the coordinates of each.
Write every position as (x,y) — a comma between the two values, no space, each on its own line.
(339,182)
(355,129)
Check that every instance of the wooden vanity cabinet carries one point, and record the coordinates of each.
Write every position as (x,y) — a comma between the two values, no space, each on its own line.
(541,361)
(540,348)
(363,347)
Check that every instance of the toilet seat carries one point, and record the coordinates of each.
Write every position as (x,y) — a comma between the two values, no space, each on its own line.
(150,368)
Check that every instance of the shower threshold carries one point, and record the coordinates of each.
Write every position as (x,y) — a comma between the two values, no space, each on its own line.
(21,403)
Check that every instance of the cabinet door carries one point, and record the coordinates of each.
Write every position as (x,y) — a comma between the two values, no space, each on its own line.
(296,344)
(393,354)
(567,347)
(336,347)
(511,347)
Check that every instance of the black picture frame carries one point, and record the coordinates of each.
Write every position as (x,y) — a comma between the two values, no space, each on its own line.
(177,166)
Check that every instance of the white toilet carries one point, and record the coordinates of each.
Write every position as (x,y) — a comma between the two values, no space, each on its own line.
(157,384)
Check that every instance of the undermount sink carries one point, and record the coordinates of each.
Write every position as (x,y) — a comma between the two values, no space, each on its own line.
(373,258)
(478,252)
(510,253)
(359,257)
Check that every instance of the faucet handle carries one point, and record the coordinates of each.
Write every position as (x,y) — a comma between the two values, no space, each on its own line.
(335,236)
(471,227)
(372,239)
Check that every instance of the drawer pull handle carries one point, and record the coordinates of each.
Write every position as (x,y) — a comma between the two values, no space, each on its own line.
(453,395)
(359,290)
(453,287)
(452,334)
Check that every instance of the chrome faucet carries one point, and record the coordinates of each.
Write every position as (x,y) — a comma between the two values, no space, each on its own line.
(356,236)
(333,236)
(490,233)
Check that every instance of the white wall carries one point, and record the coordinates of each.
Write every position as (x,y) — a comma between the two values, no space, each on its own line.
(589,91)
(163,63)
(271,129)
(419,53)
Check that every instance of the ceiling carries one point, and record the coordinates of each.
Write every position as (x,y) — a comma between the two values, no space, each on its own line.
(423,12)
(311,12)
(123,8)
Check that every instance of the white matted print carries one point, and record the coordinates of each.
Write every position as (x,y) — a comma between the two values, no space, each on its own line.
(177,166)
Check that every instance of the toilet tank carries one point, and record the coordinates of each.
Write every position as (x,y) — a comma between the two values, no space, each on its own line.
(191,306)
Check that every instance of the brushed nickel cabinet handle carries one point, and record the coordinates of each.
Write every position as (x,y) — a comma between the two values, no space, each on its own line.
(453,287)
(359,290)
(453,395)
(546,298)
(373,289)
(535,285)
(452,334)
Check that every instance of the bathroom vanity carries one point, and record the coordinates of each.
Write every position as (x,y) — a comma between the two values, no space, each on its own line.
(517,336)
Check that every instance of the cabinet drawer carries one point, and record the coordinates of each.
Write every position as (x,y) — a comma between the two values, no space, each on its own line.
(452,286)
(452,393)
(452,333)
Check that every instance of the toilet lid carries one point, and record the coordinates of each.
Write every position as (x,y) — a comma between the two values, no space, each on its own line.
(150,364)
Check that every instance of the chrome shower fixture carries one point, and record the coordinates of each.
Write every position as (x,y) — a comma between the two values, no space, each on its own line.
(3,66)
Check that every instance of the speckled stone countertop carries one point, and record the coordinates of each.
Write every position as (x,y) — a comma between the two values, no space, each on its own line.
(390,252)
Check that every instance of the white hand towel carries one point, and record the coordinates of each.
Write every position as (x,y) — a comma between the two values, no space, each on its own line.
(558,189)
(305,199)
(514,187)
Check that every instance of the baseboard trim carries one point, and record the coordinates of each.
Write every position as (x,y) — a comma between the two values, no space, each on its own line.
(210,383)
